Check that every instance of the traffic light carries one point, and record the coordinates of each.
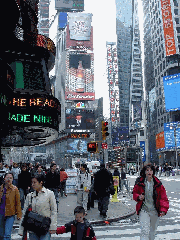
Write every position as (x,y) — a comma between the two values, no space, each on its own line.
(92,147)
(104,130)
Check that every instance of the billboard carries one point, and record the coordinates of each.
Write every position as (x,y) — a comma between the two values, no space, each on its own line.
(79,45)
(82,119)
(62,20)
(69,5)
(160,143)
(80,77)
(80,26)
(77,146)
(171,91)
(170,45)
(169,134)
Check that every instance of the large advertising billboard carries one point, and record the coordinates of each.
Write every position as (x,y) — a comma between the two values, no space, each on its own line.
(69,5)
(120,135)
(171,92)
(77,146)
(152,104)
(169,134)
(169,36)
(79,45)
(80,26)
(142,145)
(80,78)
(80,119)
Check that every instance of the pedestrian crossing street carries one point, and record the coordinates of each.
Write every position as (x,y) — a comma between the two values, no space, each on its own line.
(169,229)
(129,229)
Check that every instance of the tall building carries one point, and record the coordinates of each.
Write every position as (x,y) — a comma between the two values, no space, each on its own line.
(43,17)
(136,82)
(161,44)
(124,50)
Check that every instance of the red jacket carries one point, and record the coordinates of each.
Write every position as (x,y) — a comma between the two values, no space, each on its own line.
(159,195)
(88,233)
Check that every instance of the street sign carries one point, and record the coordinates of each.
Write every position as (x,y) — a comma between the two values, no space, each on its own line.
(104,146)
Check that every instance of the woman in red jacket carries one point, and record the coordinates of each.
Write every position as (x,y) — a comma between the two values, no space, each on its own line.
(152,201)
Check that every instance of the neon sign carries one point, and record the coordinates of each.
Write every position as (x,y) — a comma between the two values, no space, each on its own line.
(27,118)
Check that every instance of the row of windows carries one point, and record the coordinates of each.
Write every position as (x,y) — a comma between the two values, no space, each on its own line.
(162,120)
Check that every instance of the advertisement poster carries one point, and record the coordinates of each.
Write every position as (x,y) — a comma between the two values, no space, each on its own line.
(171,91)
(142,145)
(80,26)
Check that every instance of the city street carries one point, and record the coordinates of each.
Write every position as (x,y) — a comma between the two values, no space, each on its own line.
(169,226)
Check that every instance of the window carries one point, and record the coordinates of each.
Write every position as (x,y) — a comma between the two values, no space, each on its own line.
(177,20)
(168,118)
(159,91)
(164,119)
(178,29)
(176,11)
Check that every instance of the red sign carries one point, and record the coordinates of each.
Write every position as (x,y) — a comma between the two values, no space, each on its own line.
(168,27)
(104,146)
(160,142)
(80,96)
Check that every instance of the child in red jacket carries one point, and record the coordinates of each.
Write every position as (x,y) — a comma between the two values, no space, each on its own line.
(80,228)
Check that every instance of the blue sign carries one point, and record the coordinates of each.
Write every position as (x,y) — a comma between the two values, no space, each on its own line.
(62,19)
(171,92)
(120,135)
(169,130)
(142,145)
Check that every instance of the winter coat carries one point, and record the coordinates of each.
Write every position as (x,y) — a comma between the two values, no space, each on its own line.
(102,180)
(13,204)
(24,180)
(83,180)
(52,180)
(44,203)
(71,227)
(161,202)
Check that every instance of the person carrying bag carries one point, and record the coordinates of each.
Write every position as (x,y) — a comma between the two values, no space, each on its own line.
(40,212)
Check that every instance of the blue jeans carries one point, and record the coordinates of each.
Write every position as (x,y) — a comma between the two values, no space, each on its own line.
(22,195)
(55,190)
(8,227)
(33,236)
(2,226)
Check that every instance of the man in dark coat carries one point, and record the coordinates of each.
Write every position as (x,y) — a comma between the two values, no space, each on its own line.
(102,181)
(53,181)
(24,183)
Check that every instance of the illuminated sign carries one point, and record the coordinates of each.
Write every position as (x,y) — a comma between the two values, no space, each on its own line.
(168,27)
(92,147)
(104,146)
(80,96)
(142,145)
(171,92)
(77,146)
(79,135)
(80,105)
(28,118)
(80,119)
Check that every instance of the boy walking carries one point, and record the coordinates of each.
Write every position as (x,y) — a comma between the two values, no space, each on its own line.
(80,228)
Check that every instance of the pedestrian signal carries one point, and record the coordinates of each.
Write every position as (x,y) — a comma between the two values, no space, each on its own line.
(104,130)
(92,147)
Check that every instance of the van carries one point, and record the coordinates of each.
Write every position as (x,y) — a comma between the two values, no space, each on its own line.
(93,166)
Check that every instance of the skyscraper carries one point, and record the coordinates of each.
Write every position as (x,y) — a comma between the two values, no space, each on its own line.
(161,44)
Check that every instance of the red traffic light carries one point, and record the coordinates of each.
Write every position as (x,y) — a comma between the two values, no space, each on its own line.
(105,123)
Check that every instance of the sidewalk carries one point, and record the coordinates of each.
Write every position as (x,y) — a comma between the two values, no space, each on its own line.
(116,211)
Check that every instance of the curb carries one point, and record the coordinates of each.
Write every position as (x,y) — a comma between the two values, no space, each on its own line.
(113,219)
(15,226)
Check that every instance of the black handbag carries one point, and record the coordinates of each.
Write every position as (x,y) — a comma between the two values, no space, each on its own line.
(35,222)
(110,189)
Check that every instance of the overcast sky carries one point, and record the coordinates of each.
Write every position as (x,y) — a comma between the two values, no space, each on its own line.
(104,29)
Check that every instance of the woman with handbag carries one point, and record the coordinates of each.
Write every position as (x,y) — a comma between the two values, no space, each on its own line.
(43,206)
(10,206)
